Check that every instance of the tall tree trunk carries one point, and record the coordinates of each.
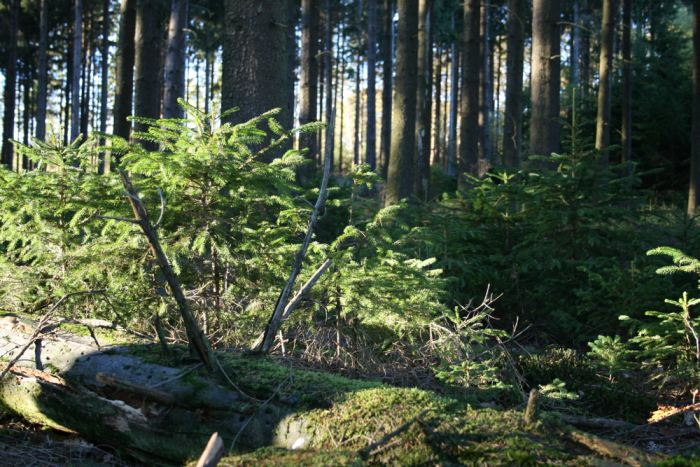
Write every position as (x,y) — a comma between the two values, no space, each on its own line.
(371,131)
(513,124)
(602,127)
(575,55)
(104,87)
(293,14)
(43,73)
(68,84)
(585,70)
(626,142)
(358,107)
(694,191)
(123,97)
(485,84)
(387,72)
(544,120)
(424,98)
(403,112)
(452,164)
(328,69)
(147,70)
(308,87)
(469,130)
(86,74)
(255,72)
(436,156)
(8,120)
(75,75)
(174,73)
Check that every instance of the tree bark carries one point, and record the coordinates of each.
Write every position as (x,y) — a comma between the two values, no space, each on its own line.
(436,156)
(8,121)
(513,124)
(75,75)
(469,109)
(403,112)
(387,78)
(174,73)
(694,190)
(626,142)
(544,119)
(255,72)
(328,70)
(485,85)
(308,85)
(43,74)
(602,129)
(575,47)
(104,88)
(424,99)
(148,41)
(124,78)
(452,163)
(371,127)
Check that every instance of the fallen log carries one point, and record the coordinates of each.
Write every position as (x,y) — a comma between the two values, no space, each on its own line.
(152,412)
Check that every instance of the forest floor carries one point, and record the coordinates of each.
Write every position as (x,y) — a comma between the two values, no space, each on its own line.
(358,422)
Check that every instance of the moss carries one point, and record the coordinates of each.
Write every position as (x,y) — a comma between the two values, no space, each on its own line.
(282,457)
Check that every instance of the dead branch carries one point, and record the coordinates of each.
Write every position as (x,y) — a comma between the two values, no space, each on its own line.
(626,454)
(195,335)
(212,453)
(278,315)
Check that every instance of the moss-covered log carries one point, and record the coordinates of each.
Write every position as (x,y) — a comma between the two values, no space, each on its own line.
(129,397)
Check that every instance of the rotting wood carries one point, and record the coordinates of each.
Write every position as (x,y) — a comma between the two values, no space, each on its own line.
(627,454)
(531,409)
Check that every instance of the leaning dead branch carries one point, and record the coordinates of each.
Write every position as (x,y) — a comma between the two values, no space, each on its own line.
(278,315)
(196,337)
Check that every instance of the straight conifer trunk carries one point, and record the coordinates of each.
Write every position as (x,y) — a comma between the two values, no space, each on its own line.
(75,72)
(124,78)
(424,98)
(403,142)
(43,73)
(255,72)
(627,83)
(544,120)
(436,155)
(328,72)
(104,72)
(452,165)
(602,129)
(8,120)
(174,74)
(148,63)
(308,86)
(387,71)
(694,190)
(485,85)
(575,45)
(469,129)
(371,124)
(513,124)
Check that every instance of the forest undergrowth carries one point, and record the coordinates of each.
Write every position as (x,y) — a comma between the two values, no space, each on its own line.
(540,278)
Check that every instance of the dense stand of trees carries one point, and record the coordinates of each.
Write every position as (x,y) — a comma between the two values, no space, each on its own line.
(417,85)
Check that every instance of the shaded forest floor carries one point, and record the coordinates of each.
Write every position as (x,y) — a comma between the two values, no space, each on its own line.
(360,421)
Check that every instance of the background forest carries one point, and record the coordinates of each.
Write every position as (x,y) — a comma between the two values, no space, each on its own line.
(513,186)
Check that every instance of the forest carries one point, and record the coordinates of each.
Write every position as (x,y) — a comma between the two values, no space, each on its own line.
(335,232)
